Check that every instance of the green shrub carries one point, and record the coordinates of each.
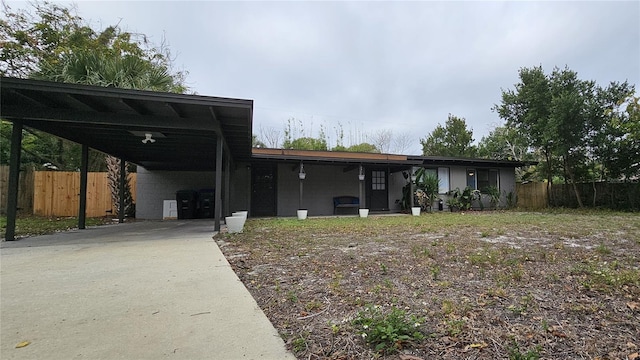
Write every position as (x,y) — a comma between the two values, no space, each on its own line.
(387,331)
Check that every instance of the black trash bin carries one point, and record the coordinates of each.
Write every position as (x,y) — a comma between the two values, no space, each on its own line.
(205,203)
(187,204)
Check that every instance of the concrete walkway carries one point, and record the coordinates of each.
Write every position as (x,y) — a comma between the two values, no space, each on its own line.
(145,290)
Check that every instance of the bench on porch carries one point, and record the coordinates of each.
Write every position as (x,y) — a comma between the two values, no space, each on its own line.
(345,201)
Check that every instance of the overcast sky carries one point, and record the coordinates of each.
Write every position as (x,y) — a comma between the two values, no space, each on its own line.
(371,66)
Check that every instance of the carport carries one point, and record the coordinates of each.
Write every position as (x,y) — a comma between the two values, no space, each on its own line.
(191,132)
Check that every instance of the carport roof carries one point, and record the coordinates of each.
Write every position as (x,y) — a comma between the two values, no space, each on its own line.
(115,121)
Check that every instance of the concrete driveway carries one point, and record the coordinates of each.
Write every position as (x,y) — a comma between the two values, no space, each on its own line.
(144,290)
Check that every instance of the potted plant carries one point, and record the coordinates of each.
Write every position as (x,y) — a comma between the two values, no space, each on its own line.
(428,186)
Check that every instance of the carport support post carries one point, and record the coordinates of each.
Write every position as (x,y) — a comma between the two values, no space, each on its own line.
(227,185)
(84,167)
(217,212)
(123,177)
(14,177)
(360,181)
(411,202)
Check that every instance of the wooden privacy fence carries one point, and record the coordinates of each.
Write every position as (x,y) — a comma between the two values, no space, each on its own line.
(57,193)
(25,190)
(533,195)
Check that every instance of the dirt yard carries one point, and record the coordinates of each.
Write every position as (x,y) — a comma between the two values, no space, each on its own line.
(479,285)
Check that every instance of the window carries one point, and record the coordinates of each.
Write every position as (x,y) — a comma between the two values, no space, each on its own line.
(442,174)
(471,178)
(378,180)
(481,179)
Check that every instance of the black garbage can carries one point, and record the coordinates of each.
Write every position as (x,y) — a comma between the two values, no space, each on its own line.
(205,203)
(187,204)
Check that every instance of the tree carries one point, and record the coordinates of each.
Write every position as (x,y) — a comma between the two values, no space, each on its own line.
(526,109)
(363,147)
(454,139)
(402,143)
(561,115)
(616,146)
(56,45)
(505,143)
(382,140)
(256,143)
(295,137)
(306,143)
(270,137)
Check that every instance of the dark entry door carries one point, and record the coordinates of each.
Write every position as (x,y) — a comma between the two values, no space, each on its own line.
(377,189)
(263,185)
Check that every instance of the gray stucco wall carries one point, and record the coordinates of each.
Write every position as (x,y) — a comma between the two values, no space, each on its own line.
(153,187)
(322,183)
(240,186)
(507,182)
(396,183)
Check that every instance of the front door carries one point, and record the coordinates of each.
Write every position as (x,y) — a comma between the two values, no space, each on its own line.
(263,185)
(377,189)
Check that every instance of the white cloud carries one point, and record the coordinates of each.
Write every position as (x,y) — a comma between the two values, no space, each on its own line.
(402,66)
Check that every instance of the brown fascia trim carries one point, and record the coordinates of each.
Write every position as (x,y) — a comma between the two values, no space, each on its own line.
(324,155)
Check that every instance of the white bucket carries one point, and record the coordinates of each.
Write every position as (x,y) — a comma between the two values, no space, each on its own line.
(415,211)
(234,223)
(240,213)
(302,214)
(363,212)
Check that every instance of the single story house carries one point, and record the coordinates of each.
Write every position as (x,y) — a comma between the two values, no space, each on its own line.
(182,142)
(269,184)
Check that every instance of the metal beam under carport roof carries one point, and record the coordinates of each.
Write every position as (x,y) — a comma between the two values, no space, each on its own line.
(112,120)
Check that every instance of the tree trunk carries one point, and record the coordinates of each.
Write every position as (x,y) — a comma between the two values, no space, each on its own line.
(113,175)
(549,177)
(569,172)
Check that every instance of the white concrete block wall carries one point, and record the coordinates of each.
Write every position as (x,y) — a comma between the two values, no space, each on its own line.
(153,187)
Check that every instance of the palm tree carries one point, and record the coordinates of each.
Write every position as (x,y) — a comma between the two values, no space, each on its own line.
(126,71)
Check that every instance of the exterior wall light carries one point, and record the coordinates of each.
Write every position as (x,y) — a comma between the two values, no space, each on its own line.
(302,175)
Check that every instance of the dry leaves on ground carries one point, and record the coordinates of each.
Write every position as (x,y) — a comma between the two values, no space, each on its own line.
(489,284)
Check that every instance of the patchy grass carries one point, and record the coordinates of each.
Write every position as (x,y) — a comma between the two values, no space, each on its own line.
(35,225)
(485,285)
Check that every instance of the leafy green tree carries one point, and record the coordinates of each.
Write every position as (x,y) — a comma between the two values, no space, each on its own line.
(562,117)
(363,147)
(505,143)
(50,42)
(306,143)
(454,139)
(296,137)
(56,45)
(615,135)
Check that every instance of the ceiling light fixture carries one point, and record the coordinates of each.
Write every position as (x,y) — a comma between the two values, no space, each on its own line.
(147,138)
